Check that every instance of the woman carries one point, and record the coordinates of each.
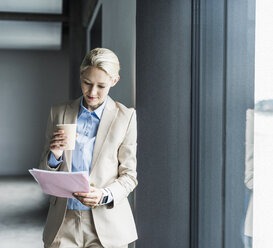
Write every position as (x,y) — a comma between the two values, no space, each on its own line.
(106,147)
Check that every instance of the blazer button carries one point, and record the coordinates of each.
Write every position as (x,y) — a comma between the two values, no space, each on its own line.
(92,184)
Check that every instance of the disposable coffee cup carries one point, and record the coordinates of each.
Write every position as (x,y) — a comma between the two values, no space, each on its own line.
(70,132)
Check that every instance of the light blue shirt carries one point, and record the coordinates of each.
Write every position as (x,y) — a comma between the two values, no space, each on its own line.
(87,127)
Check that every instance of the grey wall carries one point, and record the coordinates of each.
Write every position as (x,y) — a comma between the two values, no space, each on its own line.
(119,35)
(226,87)
(163,101)
(30,82)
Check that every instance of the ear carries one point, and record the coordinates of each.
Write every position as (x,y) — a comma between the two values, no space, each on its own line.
(115,81)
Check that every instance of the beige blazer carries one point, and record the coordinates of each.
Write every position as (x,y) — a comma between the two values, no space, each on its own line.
(113,166)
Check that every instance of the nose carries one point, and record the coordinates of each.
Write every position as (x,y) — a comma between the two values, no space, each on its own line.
(92,90)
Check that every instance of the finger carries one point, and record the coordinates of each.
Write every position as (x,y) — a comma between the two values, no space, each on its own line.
(82,194)
(58,132)
(58,137)
(57,147)
(58,144)
(58,141)
(89,198)
(79,198)
(89,201)
(94,197)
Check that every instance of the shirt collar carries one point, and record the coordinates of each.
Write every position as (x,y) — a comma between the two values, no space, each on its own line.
(98,111)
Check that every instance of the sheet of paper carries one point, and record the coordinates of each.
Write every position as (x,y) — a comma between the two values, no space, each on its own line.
(60,183)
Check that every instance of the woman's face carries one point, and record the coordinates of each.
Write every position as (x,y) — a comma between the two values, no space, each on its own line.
(95,84)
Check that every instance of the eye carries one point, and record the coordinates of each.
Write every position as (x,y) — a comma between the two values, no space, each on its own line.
(101,87)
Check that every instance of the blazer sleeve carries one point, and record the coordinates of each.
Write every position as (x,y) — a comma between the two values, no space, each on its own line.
(127,180)
(249,149)
(46,152)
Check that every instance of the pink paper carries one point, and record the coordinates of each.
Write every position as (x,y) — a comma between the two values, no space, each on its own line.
(61,184)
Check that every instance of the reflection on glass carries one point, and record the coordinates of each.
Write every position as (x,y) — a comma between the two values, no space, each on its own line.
(249,147)
(263,127)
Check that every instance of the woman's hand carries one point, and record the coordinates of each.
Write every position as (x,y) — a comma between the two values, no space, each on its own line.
(58,143)
(90,199)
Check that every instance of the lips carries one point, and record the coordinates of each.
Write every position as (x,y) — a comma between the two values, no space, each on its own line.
(91,98)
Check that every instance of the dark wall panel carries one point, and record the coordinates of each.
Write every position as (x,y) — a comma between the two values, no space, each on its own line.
(212,62)
(163,99)
(239,97)
(77,46)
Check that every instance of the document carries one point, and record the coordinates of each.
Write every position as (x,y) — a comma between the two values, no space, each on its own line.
(60,183)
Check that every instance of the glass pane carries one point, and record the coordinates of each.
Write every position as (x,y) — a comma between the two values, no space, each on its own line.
(32,6)
(30,35)
(263,135)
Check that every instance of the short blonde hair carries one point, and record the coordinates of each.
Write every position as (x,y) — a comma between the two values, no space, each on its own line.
(104,59)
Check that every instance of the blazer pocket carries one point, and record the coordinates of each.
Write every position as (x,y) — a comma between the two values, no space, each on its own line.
(52,200)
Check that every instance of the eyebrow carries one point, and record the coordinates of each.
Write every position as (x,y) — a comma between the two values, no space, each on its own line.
(100,83)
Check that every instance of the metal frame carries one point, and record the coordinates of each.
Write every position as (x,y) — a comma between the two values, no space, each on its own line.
(33,17)
(195,124)
(90,25)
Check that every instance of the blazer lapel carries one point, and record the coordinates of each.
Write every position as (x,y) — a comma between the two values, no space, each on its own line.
(70,117)
(109,114)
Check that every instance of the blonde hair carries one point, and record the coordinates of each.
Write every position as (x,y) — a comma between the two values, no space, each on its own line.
(104,59)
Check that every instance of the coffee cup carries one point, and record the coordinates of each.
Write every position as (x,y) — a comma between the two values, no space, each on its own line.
(70,132)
